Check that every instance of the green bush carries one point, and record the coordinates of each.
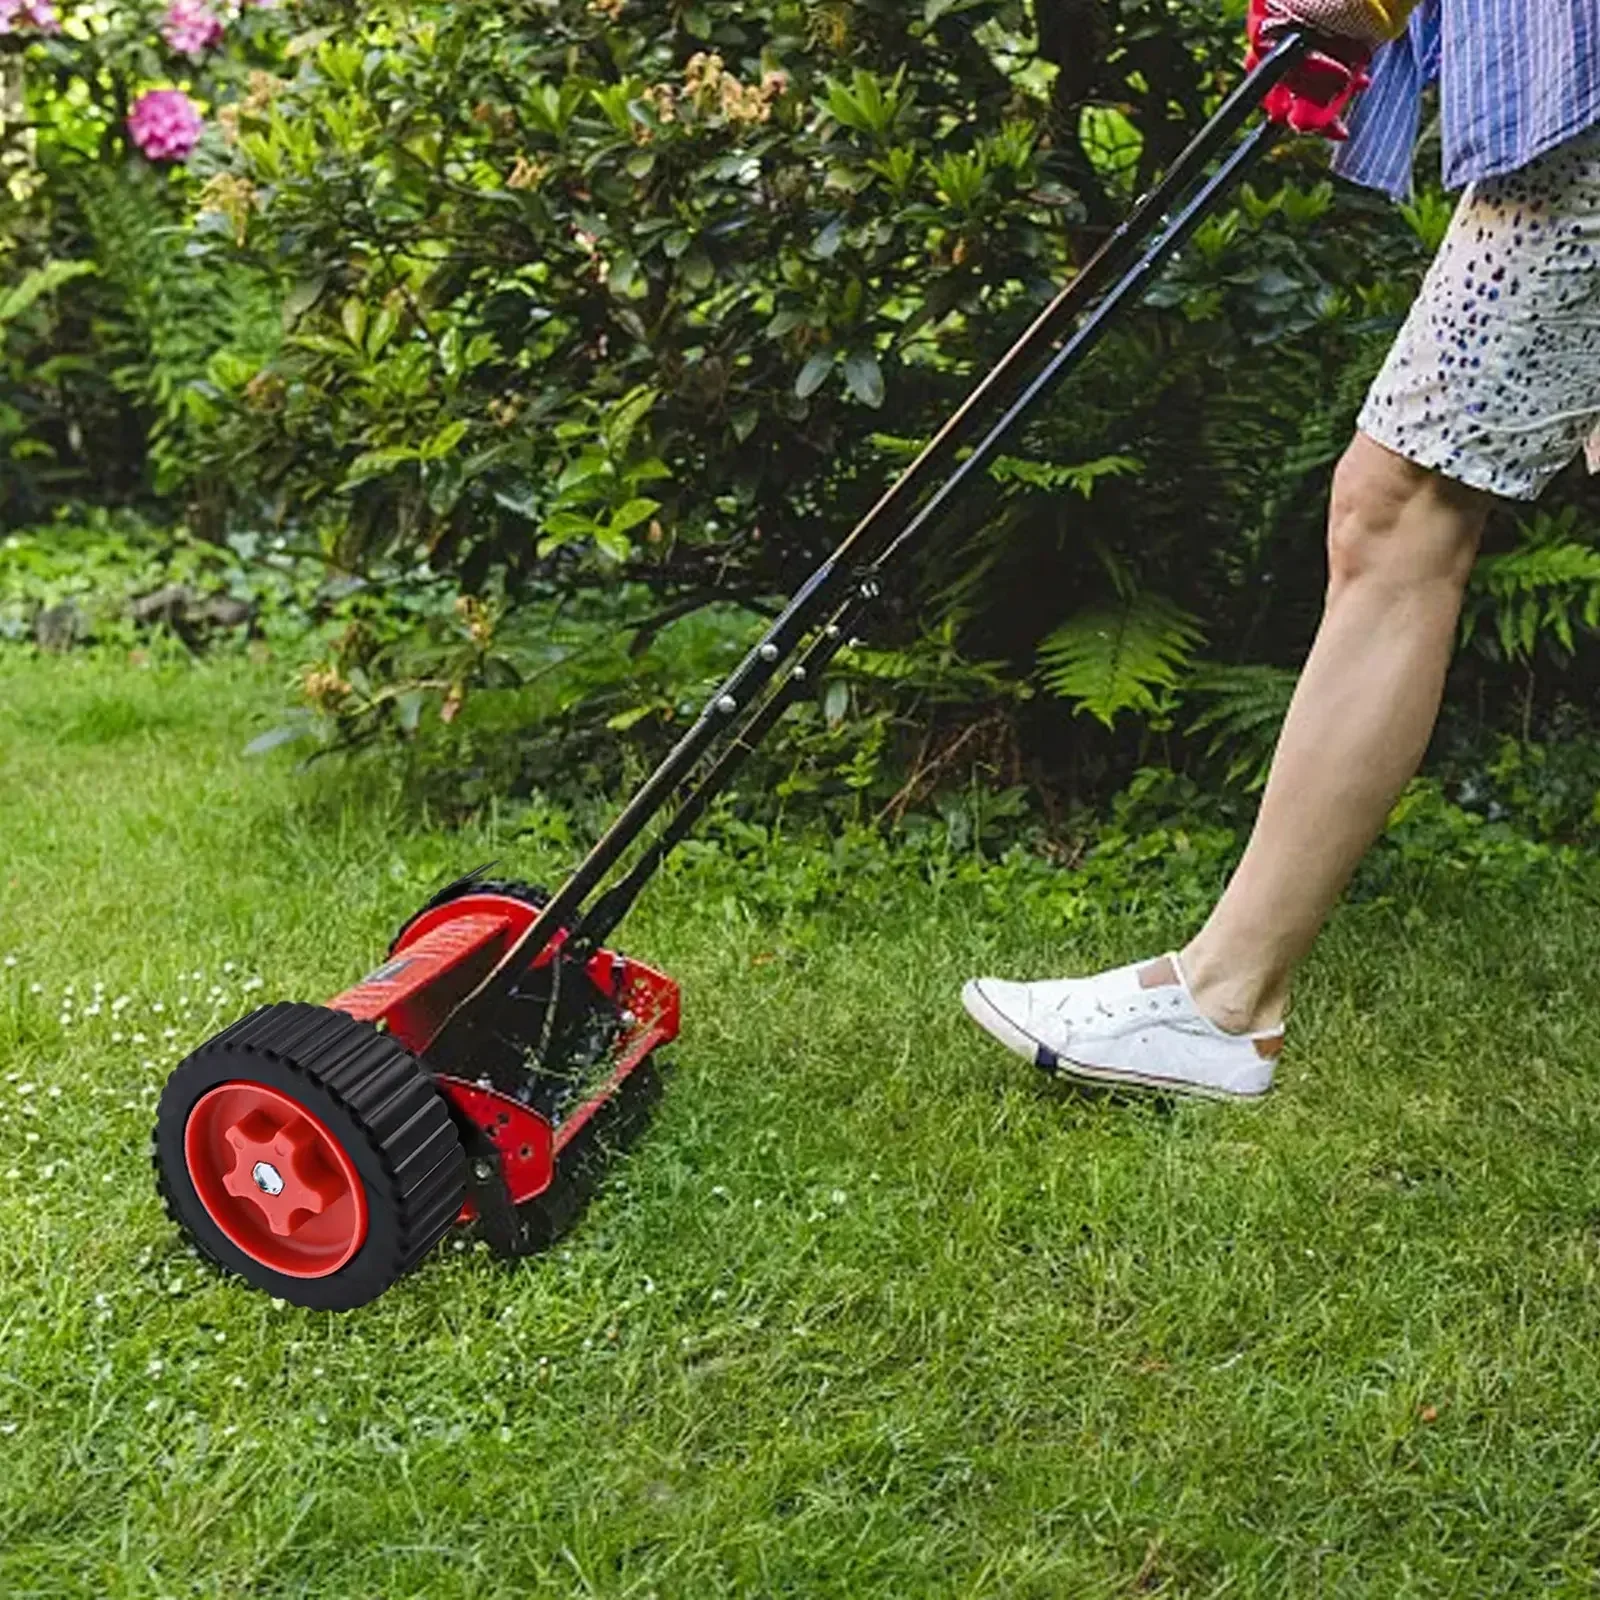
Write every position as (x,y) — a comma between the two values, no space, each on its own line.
(576,331)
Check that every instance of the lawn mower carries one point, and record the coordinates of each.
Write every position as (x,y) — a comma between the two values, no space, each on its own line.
(320,1152)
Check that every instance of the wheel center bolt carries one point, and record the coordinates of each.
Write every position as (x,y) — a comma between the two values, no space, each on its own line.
(267,1177)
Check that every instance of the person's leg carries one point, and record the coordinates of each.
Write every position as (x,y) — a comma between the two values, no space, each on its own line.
(1401,543)
(1489,391)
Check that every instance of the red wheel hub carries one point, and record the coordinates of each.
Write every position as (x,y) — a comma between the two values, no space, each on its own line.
(276,1182)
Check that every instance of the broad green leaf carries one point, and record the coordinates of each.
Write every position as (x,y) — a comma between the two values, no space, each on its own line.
(353,319)
(865,378)
(381,329)
(569,525)
(633,513)
(375,463)
(581,471)
(826,244)
(697,271)
(624,720)
(616,545)
(814,374)
(625,418)
(445,440)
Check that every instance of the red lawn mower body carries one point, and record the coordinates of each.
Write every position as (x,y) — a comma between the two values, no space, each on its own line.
(319,1152)
(440,958)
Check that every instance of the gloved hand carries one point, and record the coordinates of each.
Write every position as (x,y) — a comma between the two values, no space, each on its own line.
(1316,95)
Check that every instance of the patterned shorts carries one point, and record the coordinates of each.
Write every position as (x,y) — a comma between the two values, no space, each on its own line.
(1495,378)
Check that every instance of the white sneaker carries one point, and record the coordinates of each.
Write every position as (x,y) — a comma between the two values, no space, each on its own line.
(1136,1025)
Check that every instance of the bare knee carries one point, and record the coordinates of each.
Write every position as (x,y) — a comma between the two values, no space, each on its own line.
(1395,523)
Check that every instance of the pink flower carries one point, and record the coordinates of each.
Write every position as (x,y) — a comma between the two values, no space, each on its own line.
(192,27)
(165,124)
(18,14)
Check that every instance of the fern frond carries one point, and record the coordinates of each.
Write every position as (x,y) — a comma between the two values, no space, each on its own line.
(1081,477)
(1113,659)
(1245,710)
(38,283)
(1546,586)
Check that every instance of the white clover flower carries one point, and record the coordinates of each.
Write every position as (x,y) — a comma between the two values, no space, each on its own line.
(139,1038)
(35,988)
(158,1006)
(11,961)
(227,966)
(121,1002)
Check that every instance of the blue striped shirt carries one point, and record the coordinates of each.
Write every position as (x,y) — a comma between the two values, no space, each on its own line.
(1516,78)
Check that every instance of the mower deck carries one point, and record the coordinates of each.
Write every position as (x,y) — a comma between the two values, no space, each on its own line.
(270,1136)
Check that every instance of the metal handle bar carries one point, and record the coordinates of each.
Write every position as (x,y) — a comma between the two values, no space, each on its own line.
(614,904)
(846,582)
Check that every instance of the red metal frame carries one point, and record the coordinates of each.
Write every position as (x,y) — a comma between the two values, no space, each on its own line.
(441,958)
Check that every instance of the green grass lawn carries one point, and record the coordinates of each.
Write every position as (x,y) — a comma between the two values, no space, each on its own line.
(871,1310)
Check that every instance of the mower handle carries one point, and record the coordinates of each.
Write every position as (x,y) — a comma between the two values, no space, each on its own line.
(827,605)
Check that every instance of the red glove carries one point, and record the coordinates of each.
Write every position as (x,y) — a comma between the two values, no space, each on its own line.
(1314,97)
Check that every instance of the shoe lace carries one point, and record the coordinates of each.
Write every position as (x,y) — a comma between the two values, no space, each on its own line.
(1153,1005)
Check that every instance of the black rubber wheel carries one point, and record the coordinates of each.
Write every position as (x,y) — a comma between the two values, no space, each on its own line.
(371,1161)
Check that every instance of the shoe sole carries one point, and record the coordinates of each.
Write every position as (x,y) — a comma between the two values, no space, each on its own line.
(999,1026)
